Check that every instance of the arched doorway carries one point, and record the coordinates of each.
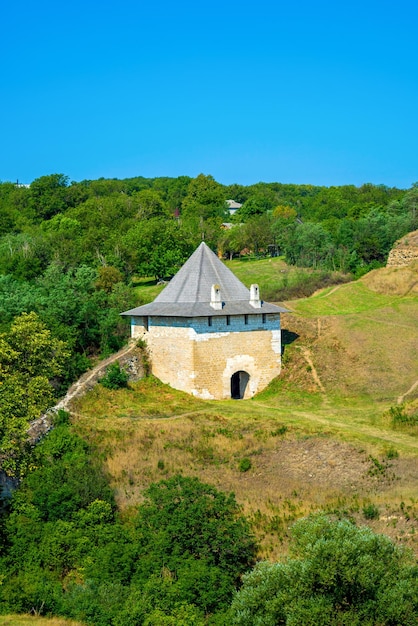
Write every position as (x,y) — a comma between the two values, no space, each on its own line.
(239,382)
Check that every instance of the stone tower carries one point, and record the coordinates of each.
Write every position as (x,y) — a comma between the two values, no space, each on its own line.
(208,334)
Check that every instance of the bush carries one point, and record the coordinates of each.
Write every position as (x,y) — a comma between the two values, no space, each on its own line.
(400,416)
(337,574)
(392,453)
(244,465)
(115,377)
(370,511)
(279,431)
(61,418)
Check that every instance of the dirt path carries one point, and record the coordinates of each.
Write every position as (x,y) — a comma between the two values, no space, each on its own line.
(333,290)
(154,418)
(410,390)
(306,353)
(388,323)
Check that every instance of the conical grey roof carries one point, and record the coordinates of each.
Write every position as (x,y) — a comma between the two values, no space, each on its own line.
(193,282)
(188,294)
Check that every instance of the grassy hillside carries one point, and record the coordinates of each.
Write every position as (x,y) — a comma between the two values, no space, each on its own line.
(329,433)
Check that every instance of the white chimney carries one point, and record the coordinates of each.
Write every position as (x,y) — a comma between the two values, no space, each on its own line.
(215,297)
(255,297)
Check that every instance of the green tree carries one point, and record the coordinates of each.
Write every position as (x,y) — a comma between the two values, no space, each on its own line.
(258,233)
(205,199)
(337,574)
(198,535)
(236,192)
(173,189)
(15,296)
(283,225)
(36,351)
(78,312)
(232,240)
(261,200)
(24,255)
(309,245)
(29,358)
(48,195)
(285,213)
(150,204)
(156,247)
(108,277)
(61,533)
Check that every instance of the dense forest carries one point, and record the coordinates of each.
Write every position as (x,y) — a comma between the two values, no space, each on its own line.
(148,226)
(70,253)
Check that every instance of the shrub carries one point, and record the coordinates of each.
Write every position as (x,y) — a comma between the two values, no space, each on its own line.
(280,430)
(115,377)
(337,573)
(370,511)
(244,465)
(392,453)
(61,418)
(400,417)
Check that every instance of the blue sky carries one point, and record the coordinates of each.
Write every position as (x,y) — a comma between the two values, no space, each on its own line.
(321,93)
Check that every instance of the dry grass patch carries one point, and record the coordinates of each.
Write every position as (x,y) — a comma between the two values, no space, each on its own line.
(30,620)
(398,281)
(137,453)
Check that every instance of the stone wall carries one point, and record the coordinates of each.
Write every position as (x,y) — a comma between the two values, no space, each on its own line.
(405,251)
(200,357)
(217,358)
(171,352)
(130,358)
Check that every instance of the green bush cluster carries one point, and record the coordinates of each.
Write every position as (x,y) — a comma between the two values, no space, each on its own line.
(371,511)
(244,465)
(115,377)
(181,557)
(400,417)
(337,574)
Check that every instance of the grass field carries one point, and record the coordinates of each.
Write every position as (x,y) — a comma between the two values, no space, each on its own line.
(320,437)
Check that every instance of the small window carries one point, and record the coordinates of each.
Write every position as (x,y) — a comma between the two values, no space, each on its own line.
(245,319)
(146,322)
(264,318)
(228,320)
(209,321)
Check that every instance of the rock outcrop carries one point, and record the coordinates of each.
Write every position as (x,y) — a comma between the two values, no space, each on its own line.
(405,251)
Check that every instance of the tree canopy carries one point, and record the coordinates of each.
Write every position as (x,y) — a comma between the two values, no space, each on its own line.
(30,357)
(337,573)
